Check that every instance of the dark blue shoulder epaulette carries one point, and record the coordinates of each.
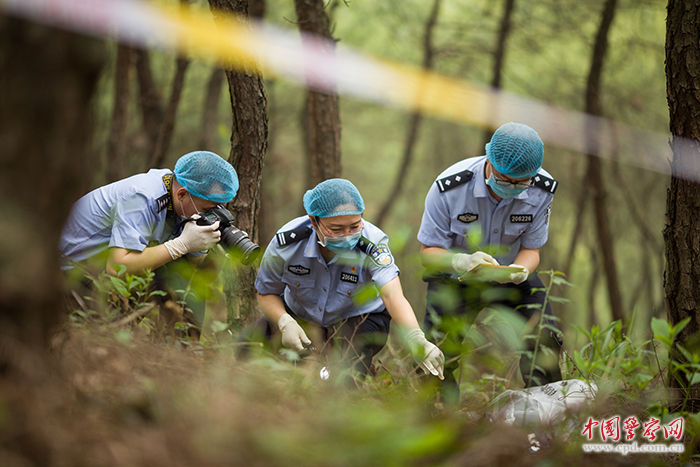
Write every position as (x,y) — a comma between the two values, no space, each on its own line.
(455,180)
(294,235)
(546,183)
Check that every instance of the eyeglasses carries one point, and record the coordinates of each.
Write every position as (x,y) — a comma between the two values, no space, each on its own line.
(340,232)
(509,184)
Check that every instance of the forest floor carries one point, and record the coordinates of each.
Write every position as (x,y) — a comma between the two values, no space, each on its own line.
(116,398)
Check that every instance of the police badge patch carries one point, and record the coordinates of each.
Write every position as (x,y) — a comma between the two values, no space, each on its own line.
(381,255)
(467,217)
(298,269)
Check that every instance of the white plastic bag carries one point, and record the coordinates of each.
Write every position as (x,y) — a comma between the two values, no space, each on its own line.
(541,405)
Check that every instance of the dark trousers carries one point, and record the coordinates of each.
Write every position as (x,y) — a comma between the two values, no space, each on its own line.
(356,340)
(179,279)
(452,307)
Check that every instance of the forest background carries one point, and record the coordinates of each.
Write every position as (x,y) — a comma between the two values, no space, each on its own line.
(547,57)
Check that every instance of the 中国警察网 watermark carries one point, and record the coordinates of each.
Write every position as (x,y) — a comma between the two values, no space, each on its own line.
(614,430)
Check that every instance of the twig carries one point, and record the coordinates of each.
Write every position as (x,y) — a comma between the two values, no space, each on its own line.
(140,313)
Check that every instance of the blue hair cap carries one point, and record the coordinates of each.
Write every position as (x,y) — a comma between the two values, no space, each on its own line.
(207,175)
(515,150)
(333,197)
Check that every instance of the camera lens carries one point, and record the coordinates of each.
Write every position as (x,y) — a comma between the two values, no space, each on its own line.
(238,241)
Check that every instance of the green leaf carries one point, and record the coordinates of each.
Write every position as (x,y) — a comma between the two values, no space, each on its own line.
(695,379)
(685,353)
(583,331)
(561,281)
(660,328)
(675,330)
(581,363)
(218,326)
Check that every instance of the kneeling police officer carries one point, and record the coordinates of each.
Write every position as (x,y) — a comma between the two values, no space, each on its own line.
(334,271)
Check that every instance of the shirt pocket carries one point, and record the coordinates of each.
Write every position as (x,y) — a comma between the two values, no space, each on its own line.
(512,232)
(357,295)
(467,236)
(303,289)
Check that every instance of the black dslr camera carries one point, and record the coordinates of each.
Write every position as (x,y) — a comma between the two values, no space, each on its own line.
(232,238)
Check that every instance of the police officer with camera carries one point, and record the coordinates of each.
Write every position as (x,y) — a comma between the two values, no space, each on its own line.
(500,201)
(143,223)
(332,272)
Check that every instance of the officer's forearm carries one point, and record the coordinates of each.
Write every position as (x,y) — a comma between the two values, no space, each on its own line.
(396,304)
(528,258)
(436,258)
(137,262)
(272,307)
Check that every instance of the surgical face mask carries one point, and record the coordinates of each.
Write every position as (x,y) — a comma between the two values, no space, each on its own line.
(339,245)
(196,211)
(504,191)
(342,244)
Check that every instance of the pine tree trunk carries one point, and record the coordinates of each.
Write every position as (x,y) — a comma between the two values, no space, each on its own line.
(415,120)
(210,111)
(499,56)
(322,117)
(682,231)
(248,146)
(594,177)
(117,143)
(149,101)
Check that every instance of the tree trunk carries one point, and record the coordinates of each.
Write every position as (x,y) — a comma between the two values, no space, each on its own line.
(208,132)
(415,121)
(322,122)
(580,212)
(149,101)
(682,231)
(594,176)
(116,145)
(248,146)
(256,9)
(500,54)
(167,127)
(48,79)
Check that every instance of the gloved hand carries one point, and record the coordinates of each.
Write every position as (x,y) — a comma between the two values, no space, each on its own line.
(429,357)
(463,262)
(293,336)
(193,238)
(514,277)
(519,277)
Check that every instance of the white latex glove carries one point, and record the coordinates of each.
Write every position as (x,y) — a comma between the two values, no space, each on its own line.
(193,238)
(514,277)
(429,357)
(519,277)
(463,262)
(293,336)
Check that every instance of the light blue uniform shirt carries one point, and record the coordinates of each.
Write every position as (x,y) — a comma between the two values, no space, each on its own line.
(466,218)
(320,293)
(129,213)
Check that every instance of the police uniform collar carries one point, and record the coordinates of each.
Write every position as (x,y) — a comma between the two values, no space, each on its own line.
(312,248)
(480,188)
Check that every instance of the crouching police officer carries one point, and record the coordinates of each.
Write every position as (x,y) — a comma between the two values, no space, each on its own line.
(502,199)
(142,222)
(334,271)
